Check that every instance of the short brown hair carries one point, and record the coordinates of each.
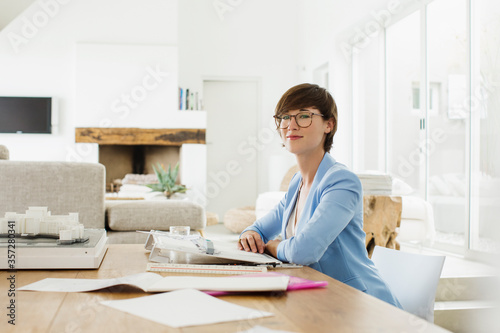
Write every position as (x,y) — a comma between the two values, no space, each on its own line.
(307,95)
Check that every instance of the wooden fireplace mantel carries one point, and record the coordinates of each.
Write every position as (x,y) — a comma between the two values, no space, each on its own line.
(139,136)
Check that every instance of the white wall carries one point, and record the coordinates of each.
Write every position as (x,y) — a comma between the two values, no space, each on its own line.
(10,9)
(37,58)
(280,42)
(125,85)
(325,29)
(248,39)
(253,39)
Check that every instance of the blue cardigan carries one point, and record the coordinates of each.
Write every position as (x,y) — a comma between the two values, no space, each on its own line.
(329,235)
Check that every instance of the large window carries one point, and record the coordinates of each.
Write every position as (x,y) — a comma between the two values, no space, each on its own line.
(440,83)
(485,134)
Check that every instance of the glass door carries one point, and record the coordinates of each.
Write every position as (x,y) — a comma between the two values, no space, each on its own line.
(485,118)
(448,120)
(405,112)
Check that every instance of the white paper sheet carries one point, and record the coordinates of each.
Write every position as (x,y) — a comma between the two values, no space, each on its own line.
(187,307)
(152,282)
(141,280)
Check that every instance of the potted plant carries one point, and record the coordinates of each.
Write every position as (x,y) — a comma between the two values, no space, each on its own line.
(166,181)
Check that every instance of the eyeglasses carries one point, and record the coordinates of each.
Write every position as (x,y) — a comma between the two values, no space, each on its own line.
(303,119)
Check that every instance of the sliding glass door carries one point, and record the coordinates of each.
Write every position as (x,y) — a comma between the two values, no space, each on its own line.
(448,120)
(485,130)
(405,114)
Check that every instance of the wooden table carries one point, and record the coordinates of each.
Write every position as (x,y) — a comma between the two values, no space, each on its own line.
(337,308)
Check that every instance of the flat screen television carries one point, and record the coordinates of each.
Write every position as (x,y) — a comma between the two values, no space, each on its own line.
(26,115)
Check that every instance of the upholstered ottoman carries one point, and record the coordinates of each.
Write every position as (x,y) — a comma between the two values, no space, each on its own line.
(125,217)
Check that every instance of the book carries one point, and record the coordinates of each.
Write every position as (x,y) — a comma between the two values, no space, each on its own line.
(375,184)
(181,96)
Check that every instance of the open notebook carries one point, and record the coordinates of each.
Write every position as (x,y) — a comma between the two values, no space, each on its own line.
(152,282)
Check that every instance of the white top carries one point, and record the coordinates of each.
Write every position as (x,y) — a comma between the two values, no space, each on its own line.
(290,226)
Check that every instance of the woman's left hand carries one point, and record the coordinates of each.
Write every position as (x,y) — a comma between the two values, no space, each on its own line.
(272,247)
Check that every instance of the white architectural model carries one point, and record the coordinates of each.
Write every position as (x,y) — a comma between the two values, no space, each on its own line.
(38,221)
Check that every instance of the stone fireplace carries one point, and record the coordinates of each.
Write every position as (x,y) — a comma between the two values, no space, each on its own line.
(135,150)
(120,160)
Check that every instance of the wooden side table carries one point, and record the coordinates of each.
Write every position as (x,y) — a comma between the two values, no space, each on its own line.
(381,217)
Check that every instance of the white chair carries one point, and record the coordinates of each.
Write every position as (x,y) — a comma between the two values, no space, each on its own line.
(413,278)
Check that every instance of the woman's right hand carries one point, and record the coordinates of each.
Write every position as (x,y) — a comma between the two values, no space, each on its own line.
(251,241)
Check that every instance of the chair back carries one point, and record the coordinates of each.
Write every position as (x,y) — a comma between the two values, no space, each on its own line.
(413,278)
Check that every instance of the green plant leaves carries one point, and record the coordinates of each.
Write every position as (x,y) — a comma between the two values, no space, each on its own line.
(166,180)
(156,187)
(159,174)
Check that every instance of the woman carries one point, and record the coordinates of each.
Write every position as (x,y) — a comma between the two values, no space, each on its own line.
(320,218)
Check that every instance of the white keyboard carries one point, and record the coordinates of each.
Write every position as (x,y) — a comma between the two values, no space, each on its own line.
(205,269)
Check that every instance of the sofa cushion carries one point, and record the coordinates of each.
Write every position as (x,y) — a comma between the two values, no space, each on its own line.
(125,215)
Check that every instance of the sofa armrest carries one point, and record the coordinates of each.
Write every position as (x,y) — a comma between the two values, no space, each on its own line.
(62,187)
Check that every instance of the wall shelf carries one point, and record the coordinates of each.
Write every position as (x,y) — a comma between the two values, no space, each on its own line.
(140,136)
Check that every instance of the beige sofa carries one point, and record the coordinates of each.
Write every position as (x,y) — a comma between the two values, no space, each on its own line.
(66,187)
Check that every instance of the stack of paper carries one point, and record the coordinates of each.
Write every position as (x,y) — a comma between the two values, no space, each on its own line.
(375,184)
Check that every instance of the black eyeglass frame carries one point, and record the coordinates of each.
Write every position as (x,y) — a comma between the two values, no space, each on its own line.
(278,119)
